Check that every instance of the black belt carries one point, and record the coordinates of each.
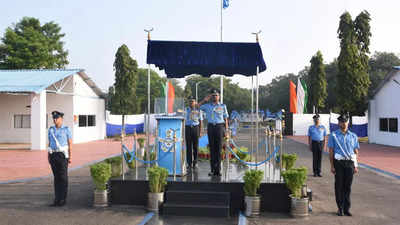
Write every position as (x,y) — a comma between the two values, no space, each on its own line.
(191,125)
(317,141)
(216,124)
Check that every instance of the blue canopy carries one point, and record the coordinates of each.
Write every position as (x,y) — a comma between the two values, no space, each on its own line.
(180,58)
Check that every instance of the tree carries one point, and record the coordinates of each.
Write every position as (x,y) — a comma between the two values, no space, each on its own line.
(317,88)
(379,65)
(30,45)
(124,100)
(156,83)
(353,79)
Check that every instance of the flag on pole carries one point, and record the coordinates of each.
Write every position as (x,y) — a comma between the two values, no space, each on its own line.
(301,95)
(305,96)
(225,4)
(171,97)
(292,97)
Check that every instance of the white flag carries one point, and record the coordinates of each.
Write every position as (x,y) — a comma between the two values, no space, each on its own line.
(300,97)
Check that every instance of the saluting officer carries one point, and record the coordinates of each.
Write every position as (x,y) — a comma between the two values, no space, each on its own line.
(193,120)
(59,156)
(316,141)
(217,125)
(343,152)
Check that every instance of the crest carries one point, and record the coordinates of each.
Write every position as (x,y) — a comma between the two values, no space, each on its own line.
(168,142)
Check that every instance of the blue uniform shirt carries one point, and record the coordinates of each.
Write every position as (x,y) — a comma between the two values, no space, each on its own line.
(317,133)
(348,141)
(215,113)
(193,117)
(63,134)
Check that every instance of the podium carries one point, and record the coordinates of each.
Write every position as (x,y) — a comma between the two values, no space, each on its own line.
(167,128)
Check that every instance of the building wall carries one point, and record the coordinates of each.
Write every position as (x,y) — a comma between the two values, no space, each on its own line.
(86,102)
(10,106)
(384,105)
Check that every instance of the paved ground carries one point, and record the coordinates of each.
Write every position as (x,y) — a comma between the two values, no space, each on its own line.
(375,199)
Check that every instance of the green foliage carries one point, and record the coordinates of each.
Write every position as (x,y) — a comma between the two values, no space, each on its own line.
(124,100)
(30,45)
(379,66)
(115,163)
(317,89)
(155,88)
(141,141)
(157,179)
(288,160)
(131,165)
(243,156)
(252,181)
(114,160)
(353,63)
(204,150)
(295,178)
(101,173)
(152,156)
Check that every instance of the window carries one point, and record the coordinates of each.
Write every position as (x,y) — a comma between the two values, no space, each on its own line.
(82,120)
(91,121)
(388,125)
(22,121)
(393,125)
(87,120)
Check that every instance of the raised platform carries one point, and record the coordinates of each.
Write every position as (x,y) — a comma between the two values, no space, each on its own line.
(185,194)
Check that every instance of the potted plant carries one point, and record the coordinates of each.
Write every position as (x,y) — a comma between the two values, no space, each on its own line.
(288,160)
(141,146)
(295,178)
(252,181)
(131,165)
(157,181)
(115,163)
(101,173)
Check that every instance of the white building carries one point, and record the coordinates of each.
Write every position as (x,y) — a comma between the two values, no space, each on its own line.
(384,111)
(27,98)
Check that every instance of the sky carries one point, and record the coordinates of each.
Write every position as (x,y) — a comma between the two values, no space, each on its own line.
(292,30)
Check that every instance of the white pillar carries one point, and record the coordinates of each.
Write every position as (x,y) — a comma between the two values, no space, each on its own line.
(38,121)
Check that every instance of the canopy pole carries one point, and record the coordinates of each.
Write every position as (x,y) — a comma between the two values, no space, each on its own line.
(257,119)
(148,106)
(252,116)
(222,76)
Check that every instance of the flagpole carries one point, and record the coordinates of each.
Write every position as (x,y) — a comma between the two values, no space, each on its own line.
(221,78)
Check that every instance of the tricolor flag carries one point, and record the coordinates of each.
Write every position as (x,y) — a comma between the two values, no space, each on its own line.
(301,97)
(225,4)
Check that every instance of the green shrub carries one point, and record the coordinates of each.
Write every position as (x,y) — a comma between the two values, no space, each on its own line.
(141,142)
(115,162)
(131,164)
(243,156)
(295,178)
(152,156)
(288,160)
(101,173)
(204,150)
(252,181)
(157,179)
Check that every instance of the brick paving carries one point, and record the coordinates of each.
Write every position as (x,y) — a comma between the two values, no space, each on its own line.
(382,157)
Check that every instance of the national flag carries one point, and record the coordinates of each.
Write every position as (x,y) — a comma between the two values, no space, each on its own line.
(225,4)
(292,97)
(300,97)
(171,97)
(305,96)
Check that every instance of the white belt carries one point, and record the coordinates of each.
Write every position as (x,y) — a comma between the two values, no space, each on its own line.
(353,158)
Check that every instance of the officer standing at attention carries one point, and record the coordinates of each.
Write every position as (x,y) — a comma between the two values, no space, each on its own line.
(316,141)
(193,120)
(343,153)
(217,119)
(59,156)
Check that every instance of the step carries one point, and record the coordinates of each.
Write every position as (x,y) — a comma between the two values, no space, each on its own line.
(195,210)
(198,197)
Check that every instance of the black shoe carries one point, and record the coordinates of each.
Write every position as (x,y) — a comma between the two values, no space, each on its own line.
(62,203)
(347,213)
(315,175)
(319,175)
(339,212)
(55,203)
(217,174)
(210,174)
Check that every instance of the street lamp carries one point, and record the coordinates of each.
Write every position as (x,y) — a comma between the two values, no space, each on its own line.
(196,90)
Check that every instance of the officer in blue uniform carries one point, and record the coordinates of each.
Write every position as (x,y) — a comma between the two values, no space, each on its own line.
(193,118)
(343,153)
(316,141)
(217,125)
(59,156)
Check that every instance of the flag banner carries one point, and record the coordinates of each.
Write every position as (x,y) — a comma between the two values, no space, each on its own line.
(305,96)
(300,97)
(225,4)
(171,97)
(292,98)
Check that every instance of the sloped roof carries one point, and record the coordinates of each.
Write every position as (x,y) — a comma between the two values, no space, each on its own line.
(388,77)
(28,81)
